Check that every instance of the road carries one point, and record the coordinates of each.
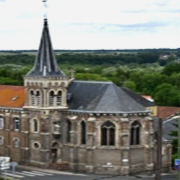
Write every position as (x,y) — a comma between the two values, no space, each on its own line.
(25,174)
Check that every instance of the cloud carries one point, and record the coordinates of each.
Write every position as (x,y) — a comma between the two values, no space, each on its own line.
(91,23)
(164,6)
(109,28)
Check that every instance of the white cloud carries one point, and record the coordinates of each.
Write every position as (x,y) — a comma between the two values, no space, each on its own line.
(91,24)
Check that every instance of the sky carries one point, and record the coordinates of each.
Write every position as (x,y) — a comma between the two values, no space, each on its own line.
(91,24)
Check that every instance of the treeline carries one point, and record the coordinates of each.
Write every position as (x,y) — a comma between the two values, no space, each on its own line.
(108,59)
(106,51)
(20,59)
(92,59)
(139,72)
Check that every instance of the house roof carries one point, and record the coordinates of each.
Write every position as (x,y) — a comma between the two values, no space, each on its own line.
(166,112)
(97,97)
(149,98)
(143,101)
(45,63)
(168,126)
(169,123)
(12,96)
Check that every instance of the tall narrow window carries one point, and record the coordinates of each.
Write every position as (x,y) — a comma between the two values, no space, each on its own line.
(16,123)
(68,131)
(108,134)
(1,122)
(32,98)
(83,132)
(51,98)
(1,140)
(38,97)
(35,125)
(59,98)
(135,133)
(16,142)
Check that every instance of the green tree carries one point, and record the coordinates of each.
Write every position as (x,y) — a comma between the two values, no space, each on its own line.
(167,95)
(174,134)
(130,84)
(171,68)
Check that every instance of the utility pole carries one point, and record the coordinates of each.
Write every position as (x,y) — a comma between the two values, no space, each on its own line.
(159,150)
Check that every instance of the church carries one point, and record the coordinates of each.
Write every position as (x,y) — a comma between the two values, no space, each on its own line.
(55,121)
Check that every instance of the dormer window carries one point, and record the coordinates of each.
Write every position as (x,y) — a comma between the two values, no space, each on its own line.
(51,98)
(14,98)
(59,98)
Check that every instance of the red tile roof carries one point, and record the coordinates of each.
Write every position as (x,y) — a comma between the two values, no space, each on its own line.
(12,96)
(166,112)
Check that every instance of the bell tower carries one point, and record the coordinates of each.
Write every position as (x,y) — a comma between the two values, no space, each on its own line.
(46,85)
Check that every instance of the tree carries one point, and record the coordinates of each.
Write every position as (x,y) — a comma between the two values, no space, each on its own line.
(171,68)
(174,134)
(130,84)
(167,95)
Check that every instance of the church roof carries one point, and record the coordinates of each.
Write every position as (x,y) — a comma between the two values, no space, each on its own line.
(45,63)
(94,96)
(12,96)
(143,101)
(88,96)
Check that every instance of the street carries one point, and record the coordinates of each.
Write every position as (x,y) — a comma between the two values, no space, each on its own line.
(37,174)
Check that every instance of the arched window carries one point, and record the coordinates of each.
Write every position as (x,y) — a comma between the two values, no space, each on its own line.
(135,133)
(83,132)
(35,125)
(38,97)
(1,122)
(108,134)
(51,98)
(59,98)
(32,97)
(68,131)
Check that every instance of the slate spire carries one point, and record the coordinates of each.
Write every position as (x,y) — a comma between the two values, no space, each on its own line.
(45,63)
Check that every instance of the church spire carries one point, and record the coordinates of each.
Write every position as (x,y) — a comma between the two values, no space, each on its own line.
(45,63)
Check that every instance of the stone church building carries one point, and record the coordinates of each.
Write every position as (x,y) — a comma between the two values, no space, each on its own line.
(90,126)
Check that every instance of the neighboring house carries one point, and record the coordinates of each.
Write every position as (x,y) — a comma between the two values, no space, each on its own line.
(168,115)
(149,98)
(89,126)
(167,56)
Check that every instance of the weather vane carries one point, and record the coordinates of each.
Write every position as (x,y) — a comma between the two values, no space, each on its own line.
(45,5)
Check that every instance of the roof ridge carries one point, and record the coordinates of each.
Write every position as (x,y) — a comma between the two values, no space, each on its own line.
(100,97)
(91,81)
(11,85)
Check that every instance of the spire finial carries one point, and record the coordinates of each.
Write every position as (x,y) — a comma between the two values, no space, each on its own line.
(45,5)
